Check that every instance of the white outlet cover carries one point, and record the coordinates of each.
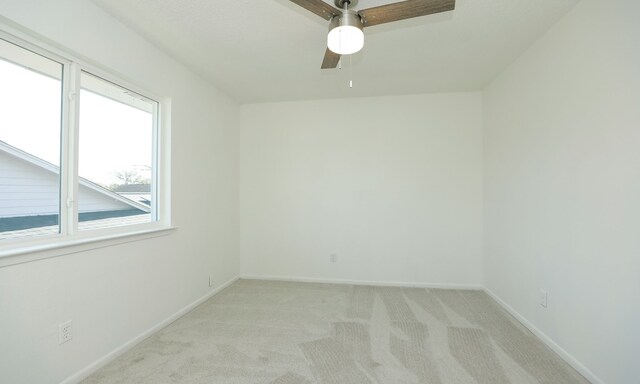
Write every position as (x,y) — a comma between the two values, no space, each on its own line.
(544,298)
(65,332)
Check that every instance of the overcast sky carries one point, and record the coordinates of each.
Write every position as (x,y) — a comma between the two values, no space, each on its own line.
(113,136)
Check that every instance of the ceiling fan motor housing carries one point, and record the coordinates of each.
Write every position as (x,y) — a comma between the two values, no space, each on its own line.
(347,18)
(345,33)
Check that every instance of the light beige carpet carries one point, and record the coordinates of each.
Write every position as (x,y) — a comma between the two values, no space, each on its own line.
(295,333)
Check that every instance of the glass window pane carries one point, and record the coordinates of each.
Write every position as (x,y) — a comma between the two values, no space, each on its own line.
(30,121)
(116,156)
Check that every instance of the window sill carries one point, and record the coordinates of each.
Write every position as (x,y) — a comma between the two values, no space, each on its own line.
(28,253)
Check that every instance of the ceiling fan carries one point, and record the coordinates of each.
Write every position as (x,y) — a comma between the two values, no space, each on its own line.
(346,26)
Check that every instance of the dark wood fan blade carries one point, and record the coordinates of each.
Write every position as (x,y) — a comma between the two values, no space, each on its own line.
(404,10)
(331,59)
(318,7)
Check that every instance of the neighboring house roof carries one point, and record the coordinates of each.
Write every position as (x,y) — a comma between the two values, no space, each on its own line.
(133,188)
(140,193)
(142,198)
(45,165)
(37,230)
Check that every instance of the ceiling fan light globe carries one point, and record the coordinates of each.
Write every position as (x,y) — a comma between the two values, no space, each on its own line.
(345,39)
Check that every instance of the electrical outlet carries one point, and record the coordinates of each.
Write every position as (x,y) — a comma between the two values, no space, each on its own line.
(65,332)
(210,281)
(543,298)
(333,258)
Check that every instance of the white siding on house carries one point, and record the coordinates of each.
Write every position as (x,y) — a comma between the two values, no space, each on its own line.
(93,201)
(27,189)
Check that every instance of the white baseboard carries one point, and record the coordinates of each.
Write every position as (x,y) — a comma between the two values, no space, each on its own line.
(101,362)
(475,287)
(572,361)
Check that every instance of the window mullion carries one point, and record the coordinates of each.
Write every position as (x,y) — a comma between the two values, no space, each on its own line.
(65,194)
(70,151)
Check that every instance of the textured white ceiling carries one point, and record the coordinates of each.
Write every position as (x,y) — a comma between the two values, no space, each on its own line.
(271,50)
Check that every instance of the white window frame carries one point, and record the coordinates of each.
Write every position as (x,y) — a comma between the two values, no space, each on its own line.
(13,251)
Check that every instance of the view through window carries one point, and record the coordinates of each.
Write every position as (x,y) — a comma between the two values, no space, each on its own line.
(115,162)
(116,151)
(30,122)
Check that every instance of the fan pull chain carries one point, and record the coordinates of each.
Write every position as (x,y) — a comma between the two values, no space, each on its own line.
(350,72)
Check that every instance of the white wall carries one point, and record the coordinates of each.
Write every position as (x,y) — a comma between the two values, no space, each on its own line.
(391,185)
(562,186)
(115,293)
